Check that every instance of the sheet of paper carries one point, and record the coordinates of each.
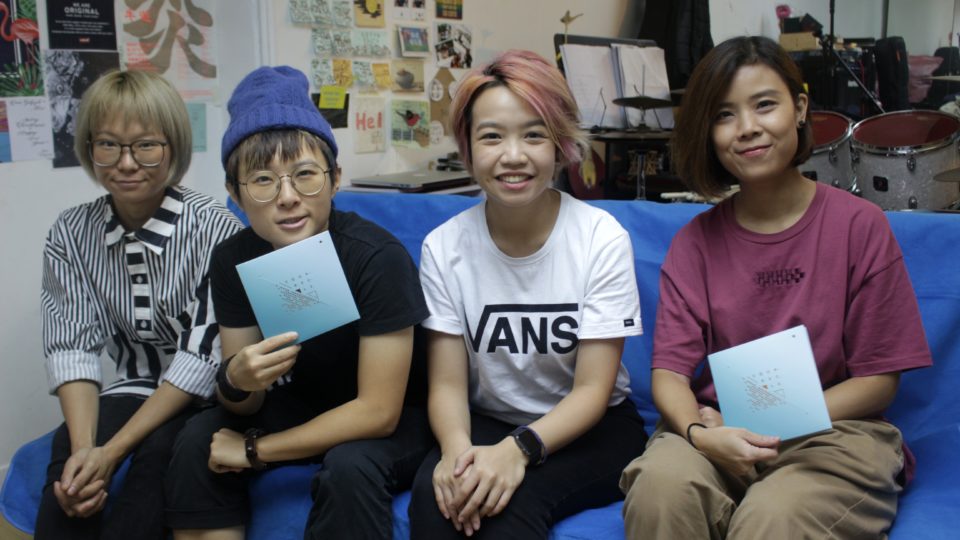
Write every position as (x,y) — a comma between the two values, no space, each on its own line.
(198,123)
(643,72)
(370,131)
(771,385)
(31,134)
(590,76)
(300,287)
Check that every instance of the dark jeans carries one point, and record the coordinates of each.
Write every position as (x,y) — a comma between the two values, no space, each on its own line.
(352,492)
(136,511)
(582,475)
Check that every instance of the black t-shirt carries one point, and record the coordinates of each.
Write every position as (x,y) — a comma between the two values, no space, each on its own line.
(385,286)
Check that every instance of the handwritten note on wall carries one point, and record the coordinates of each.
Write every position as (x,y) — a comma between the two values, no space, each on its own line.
(31,136)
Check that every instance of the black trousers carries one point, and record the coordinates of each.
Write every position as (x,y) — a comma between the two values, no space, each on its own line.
(352,493)
(584,474)
(136,511)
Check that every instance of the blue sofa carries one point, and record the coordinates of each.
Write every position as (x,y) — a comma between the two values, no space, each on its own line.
(927,408)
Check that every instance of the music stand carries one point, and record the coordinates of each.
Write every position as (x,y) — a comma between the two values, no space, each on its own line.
(563,39)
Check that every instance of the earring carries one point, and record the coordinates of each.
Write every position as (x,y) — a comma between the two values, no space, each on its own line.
(800,124)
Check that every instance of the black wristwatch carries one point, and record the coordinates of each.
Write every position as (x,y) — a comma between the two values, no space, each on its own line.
(530,444)
(227,390)
(250,446)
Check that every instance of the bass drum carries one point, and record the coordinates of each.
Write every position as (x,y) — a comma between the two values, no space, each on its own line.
(830,161)
(896,156)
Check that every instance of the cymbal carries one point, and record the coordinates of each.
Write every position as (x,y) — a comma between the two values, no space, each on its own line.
(949,78)
(952,175)
(643,102)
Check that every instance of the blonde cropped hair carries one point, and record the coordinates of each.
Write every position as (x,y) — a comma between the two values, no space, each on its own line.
(135,96)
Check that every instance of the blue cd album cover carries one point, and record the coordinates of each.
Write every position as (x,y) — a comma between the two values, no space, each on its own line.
(771,385)
(300,287)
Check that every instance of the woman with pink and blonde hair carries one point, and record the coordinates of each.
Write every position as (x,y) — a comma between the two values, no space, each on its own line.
(531,295)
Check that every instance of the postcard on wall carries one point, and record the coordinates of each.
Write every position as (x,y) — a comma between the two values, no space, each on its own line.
(771,385)
(20,71)
(414,40)
(198,124)
(322,71)
(454,46)
(407,75)
(333,103)
(370,43)
(153,40)
(68,74)
(328,43)
(343,72)
(5,154)
(450,9)
(363,78)
(381,74)
(410,123)
(370,131)
(368,13)
(31,137)
(342,13)
(300,287)
(410,10)
(81,24)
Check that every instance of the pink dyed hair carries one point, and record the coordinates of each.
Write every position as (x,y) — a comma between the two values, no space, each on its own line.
(537,83)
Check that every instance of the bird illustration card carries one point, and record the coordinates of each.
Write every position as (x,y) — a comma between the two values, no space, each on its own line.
(771,385)
(410,123)
(407,75)
(300,288)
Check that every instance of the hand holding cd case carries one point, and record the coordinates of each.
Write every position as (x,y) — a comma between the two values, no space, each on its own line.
(771,385)
(300,287)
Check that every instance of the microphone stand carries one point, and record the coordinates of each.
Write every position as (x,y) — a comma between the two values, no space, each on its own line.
(830,55)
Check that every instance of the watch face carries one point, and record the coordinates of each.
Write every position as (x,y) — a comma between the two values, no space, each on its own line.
(529,444)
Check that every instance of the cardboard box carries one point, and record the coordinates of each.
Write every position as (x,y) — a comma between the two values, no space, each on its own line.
(799,41)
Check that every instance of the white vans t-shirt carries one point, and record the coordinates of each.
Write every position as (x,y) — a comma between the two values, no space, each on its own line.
(522,318)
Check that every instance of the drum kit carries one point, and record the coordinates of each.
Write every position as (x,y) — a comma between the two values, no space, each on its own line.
(905,160)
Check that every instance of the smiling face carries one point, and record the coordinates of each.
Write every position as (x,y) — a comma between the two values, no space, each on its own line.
(755,130)
(513,159)
(290,217)
(137,190)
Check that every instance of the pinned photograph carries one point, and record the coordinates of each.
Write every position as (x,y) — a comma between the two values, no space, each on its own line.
(407,75)
(454,46)
(414,41)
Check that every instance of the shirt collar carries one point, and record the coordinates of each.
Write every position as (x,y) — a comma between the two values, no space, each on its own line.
(156,232)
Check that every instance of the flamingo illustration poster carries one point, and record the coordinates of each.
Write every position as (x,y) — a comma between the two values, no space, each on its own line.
(76,24)
(20,73)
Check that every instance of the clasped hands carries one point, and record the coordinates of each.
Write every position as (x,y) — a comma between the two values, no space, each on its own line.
(736,450)
(478,482)
(254,368)
(82,488)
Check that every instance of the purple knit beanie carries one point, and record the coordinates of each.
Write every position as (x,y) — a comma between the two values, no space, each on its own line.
(273,98)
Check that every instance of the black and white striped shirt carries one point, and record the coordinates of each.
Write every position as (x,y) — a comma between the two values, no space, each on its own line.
(141,296)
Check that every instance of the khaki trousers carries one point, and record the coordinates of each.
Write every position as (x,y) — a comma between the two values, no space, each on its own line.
(837,484)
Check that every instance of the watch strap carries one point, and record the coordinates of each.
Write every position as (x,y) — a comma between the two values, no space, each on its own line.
(250,447)
(530,444)
(228,391)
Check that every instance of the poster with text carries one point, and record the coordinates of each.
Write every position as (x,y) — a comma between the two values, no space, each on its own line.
(368,13)
(173,38)
(81,24)
(31,137)
(68,74)
(410,123)
(370,131)
(20,72)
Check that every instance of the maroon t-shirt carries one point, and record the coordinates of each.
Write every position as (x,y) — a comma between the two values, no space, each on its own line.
(838,271)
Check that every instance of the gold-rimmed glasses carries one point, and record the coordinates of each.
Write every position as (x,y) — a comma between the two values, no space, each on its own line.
(146,152)
(308,179)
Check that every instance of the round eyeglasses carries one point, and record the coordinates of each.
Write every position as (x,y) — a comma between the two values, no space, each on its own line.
(107,153)
(307,180)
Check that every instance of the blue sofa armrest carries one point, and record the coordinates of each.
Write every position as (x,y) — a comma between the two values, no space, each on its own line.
(930,506)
